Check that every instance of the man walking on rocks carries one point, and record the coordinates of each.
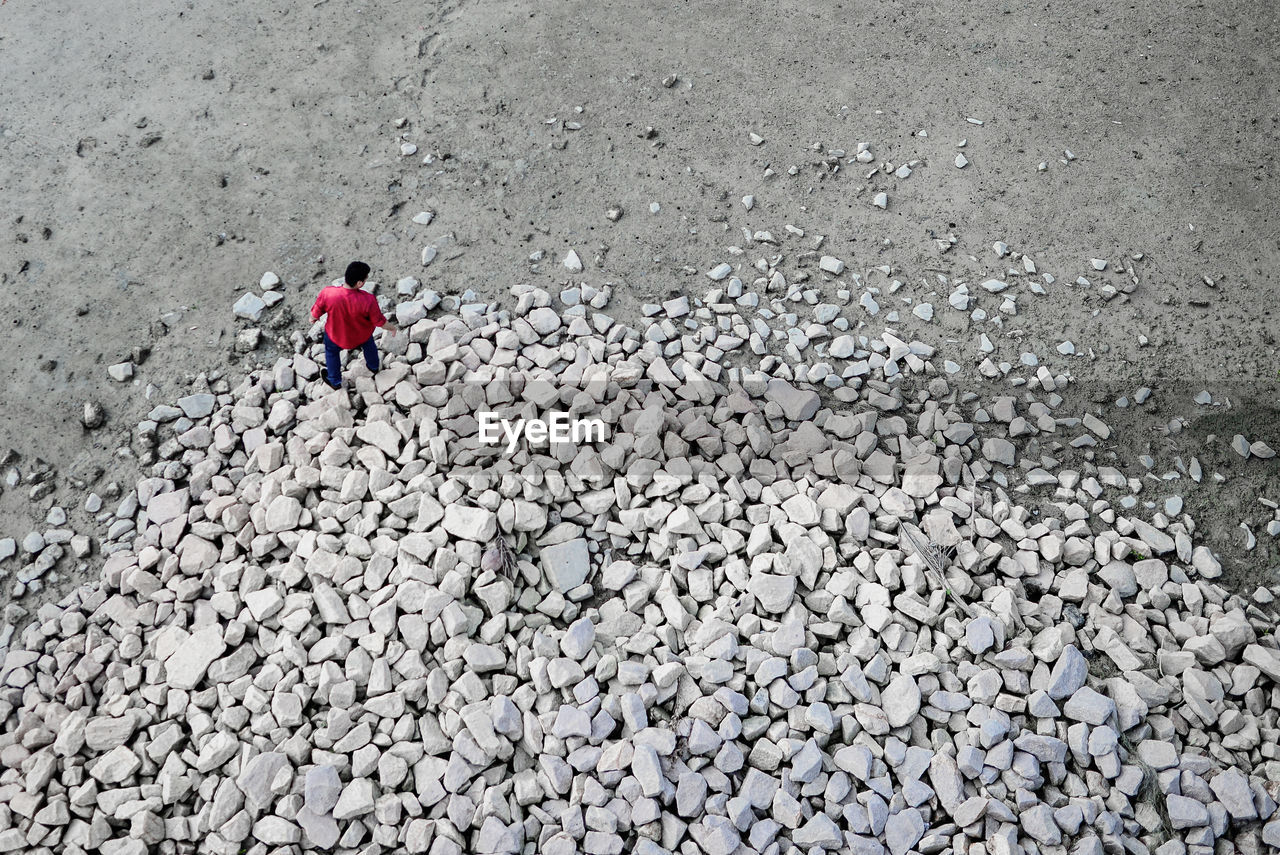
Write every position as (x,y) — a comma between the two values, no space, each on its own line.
(353,315)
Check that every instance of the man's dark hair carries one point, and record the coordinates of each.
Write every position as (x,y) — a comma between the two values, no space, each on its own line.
(357,271)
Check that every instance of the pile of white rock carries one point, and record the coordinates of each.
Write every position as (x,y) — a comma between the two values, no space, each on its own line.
(339,621)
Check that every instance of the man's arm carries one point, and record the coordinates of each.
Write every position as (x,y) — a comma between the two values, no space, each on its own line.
(380,320)
(319,308)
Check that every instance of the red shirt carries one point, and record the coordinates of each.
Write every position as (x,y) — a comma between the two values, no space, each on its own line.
(353,315)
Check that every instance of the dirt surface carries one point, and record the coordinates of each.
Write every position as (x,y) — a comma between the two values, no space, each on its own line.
(160,159)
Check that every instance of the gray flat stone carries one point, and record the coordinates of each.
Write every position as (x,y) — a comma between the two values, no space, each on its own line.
(1231,786)
(1158,754)
(797,405)
(357,799)
(1038,822)
(257,776)
(1159,542)
(1121,577)
(249,306)
(999,450)
(475,524)
(1264,659)
(773,592)
(821,830)
(566,565)
(186,665)
(1185,812)
(716,835)
(323,787)
(1089,706)
(903,830)
(320,828)
(276,831)
(197,406)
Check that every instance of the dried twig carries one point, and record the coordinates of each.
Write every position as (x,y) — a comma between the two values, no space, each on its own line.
(509,565)
(936,562)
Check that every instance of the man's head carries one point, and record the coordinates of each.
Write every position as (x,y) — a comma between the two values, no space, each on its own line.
(357,273)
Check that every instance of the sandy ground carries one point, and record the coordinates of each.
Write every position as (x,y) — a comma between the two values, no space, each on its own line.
(160,158)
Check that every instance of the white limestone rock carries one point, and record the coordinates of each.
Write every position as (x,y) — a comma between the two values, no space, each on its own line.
(116,766)
(901,700)
(357,799)
(474,524)
(578,639)
(323,788)
(185,667)
(283,514)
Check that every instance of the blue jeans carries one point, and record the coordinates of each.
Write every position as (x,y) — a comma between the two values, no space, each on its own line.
(333,359)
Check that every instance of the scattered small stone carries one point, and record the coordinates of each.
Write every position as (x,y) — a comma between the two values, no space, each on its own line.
(33,543)
(249,306)
(93,416)
(719,272)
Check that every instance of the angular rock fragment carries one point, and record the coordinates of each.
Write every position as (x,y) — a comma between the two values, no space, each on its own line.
(566,565)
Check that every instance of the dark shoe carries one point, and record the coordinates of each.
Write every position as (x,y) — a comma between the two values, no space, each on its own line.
(324,375)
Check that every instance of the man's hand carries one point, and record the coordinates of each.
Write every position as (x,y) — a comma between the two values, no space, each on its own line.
(391,328)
